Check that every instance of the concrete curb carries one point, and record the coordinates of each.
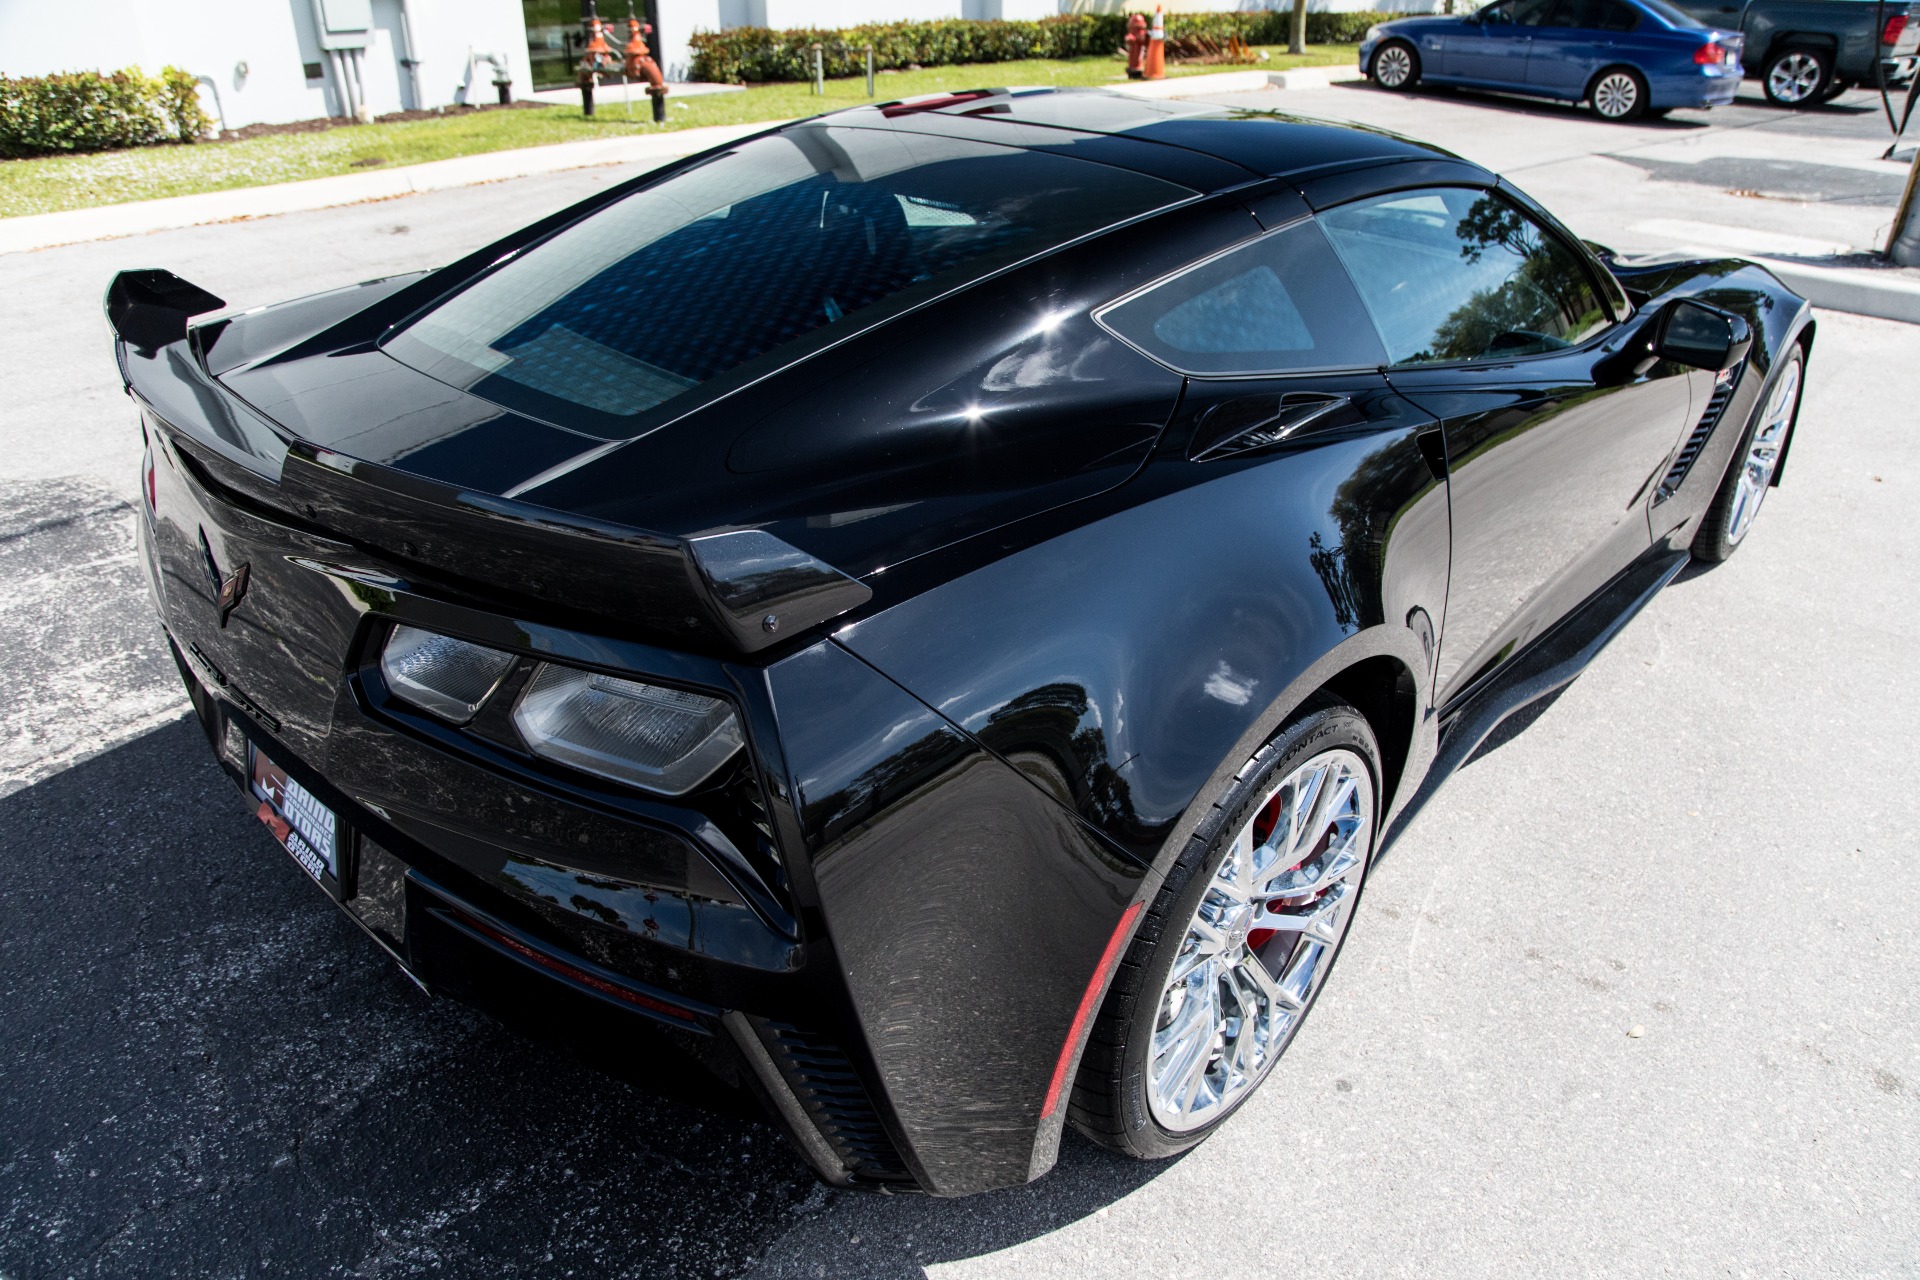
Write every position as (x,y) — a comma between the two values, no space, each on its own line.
(45,230)
(1864,292)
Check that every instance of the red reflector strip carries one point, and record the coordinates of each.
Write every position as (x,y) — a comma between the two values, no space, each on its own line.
(1088,1000)
(572,973)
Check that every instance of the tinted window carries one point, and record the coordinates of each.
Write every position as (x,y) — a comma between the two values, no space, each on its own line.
(710,269)
(1531,13)
(1277,305)
(1613,16)
(1452,274)
(1592,15)
(1674,17)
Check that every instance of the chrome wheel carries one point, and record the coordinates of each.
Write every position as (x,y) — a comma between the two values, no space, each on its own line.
(1261,940)
(1616,96)
(1393,66)
(1795,78)
(1763,453)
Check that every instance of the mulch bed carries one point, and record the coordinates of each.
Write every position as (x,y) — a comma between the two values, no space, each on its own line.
(392,117)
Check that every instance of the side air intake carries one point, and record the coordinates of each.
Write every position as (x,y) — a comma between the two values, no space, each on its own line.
(1690,451)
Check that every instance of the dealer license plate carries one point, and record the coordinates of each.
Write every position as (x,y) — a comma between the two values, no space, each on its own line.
(307,828)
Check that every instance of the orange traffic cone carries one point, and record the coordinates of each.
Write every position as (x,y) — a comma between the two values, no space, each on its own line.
(1157,47)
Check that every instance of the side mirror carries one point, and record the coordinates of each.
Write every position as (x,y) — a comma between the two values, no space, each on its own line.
(1702,337)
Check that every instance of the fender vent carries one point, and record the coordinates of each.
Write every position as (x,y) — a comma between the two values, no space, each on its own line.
(829,1088)
(1690,451)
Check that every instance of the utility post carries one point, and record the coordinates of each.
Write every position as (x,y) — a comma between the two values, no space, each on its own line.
(1903,242)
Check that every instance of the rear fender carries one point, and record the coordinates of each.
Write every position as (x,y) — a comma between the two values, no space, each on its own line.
(1127,666)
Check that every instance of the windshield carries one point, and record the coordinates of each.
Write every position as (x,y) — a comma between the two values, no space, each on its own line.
(758,249)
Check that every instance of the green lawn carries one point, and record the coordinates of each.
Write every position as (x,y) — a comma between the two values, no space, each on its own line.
(76,182)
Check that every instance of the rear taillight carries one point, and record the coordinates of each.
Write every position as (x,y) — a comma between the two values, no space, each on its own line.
(648,735)
(451,678)
(1896,27)
(1711,54)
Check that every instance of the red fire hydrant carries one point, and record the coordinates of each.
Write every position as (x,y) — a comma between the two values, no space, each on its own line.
(639,65)
(1136,46)
(596,60)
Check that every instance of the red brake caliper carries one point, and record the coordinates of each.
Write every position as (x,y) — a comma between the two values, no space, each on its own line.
(1263,826)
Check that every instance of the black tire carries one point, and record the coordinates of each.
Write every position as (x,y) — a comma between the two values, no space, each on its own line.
(1618,94)
(1402,67)
(1797,76)
(1835,89)
(1110,1103)
(1727,521)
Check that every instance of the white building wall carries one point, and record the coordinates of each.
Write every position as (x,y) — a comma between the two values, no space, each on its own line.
(255,51)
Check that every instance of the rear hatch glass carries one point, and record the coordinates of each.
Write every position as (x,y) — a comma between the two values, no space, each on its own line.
(767,251)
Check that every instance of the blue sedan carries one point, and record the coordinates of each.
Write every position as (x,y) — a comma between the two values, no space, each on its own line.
(1626,58)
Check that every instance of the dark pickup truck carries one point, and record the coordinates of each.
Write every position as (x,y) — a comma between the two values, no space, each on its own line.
(1805,51)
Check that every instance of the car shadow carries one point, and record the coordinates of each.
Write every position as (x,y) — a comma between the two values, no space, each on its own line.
(209,1070)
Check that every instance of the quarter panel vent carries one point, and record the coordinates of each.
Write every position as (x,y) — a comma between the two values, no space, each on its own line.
(831,1091)
(1723,388)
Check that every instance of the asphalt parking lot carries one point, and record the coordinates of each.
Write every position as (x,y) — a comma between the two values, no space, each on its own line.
(1633,995)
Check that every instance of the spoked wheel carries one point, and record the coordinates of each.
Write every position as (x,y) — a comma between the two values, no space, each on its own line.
(1618,94)
(1796,77)
(1227,966)
(1751,475)
(1396,66)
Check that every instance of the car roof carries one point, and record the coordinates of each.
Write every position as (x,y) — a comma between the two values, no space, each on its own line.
(1245,143)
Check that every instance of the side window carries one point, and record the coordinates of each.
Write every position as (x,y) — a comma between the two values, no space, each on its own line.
(1452,274)
(1495,15)
(1281,304)
(1617,17)
(1569,13)
(1530,13)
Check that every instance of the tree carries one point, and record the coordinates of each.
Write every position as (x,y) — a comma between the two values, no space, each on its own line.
(1297,38)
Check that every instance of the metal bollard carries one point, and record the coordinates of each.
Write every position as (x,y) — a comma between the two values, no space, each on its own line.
(869,71)
(819,71)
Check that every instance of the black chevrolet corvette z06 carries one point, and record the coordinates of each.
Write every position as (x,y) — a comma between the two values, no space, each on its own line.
(928,613)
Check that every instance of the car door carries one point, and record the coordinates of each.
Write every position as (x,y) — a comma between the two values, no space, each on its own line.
(1492,48)
(1557,424)
(1574,40)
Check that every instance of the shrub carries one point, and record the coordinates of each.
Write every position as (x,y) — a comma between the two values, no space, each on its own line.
(95,111)
(753,54)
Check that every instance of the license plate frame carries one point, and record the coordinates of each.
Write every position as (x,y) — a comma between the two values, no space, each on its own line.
(306,826)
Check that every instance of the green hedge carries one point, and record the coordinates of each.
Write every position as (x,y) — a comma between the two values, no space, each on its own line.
(752,54)
(92,111)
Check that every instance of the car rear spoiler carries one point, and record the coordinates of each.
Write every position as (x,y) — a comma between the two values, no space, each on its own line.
(741,590)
